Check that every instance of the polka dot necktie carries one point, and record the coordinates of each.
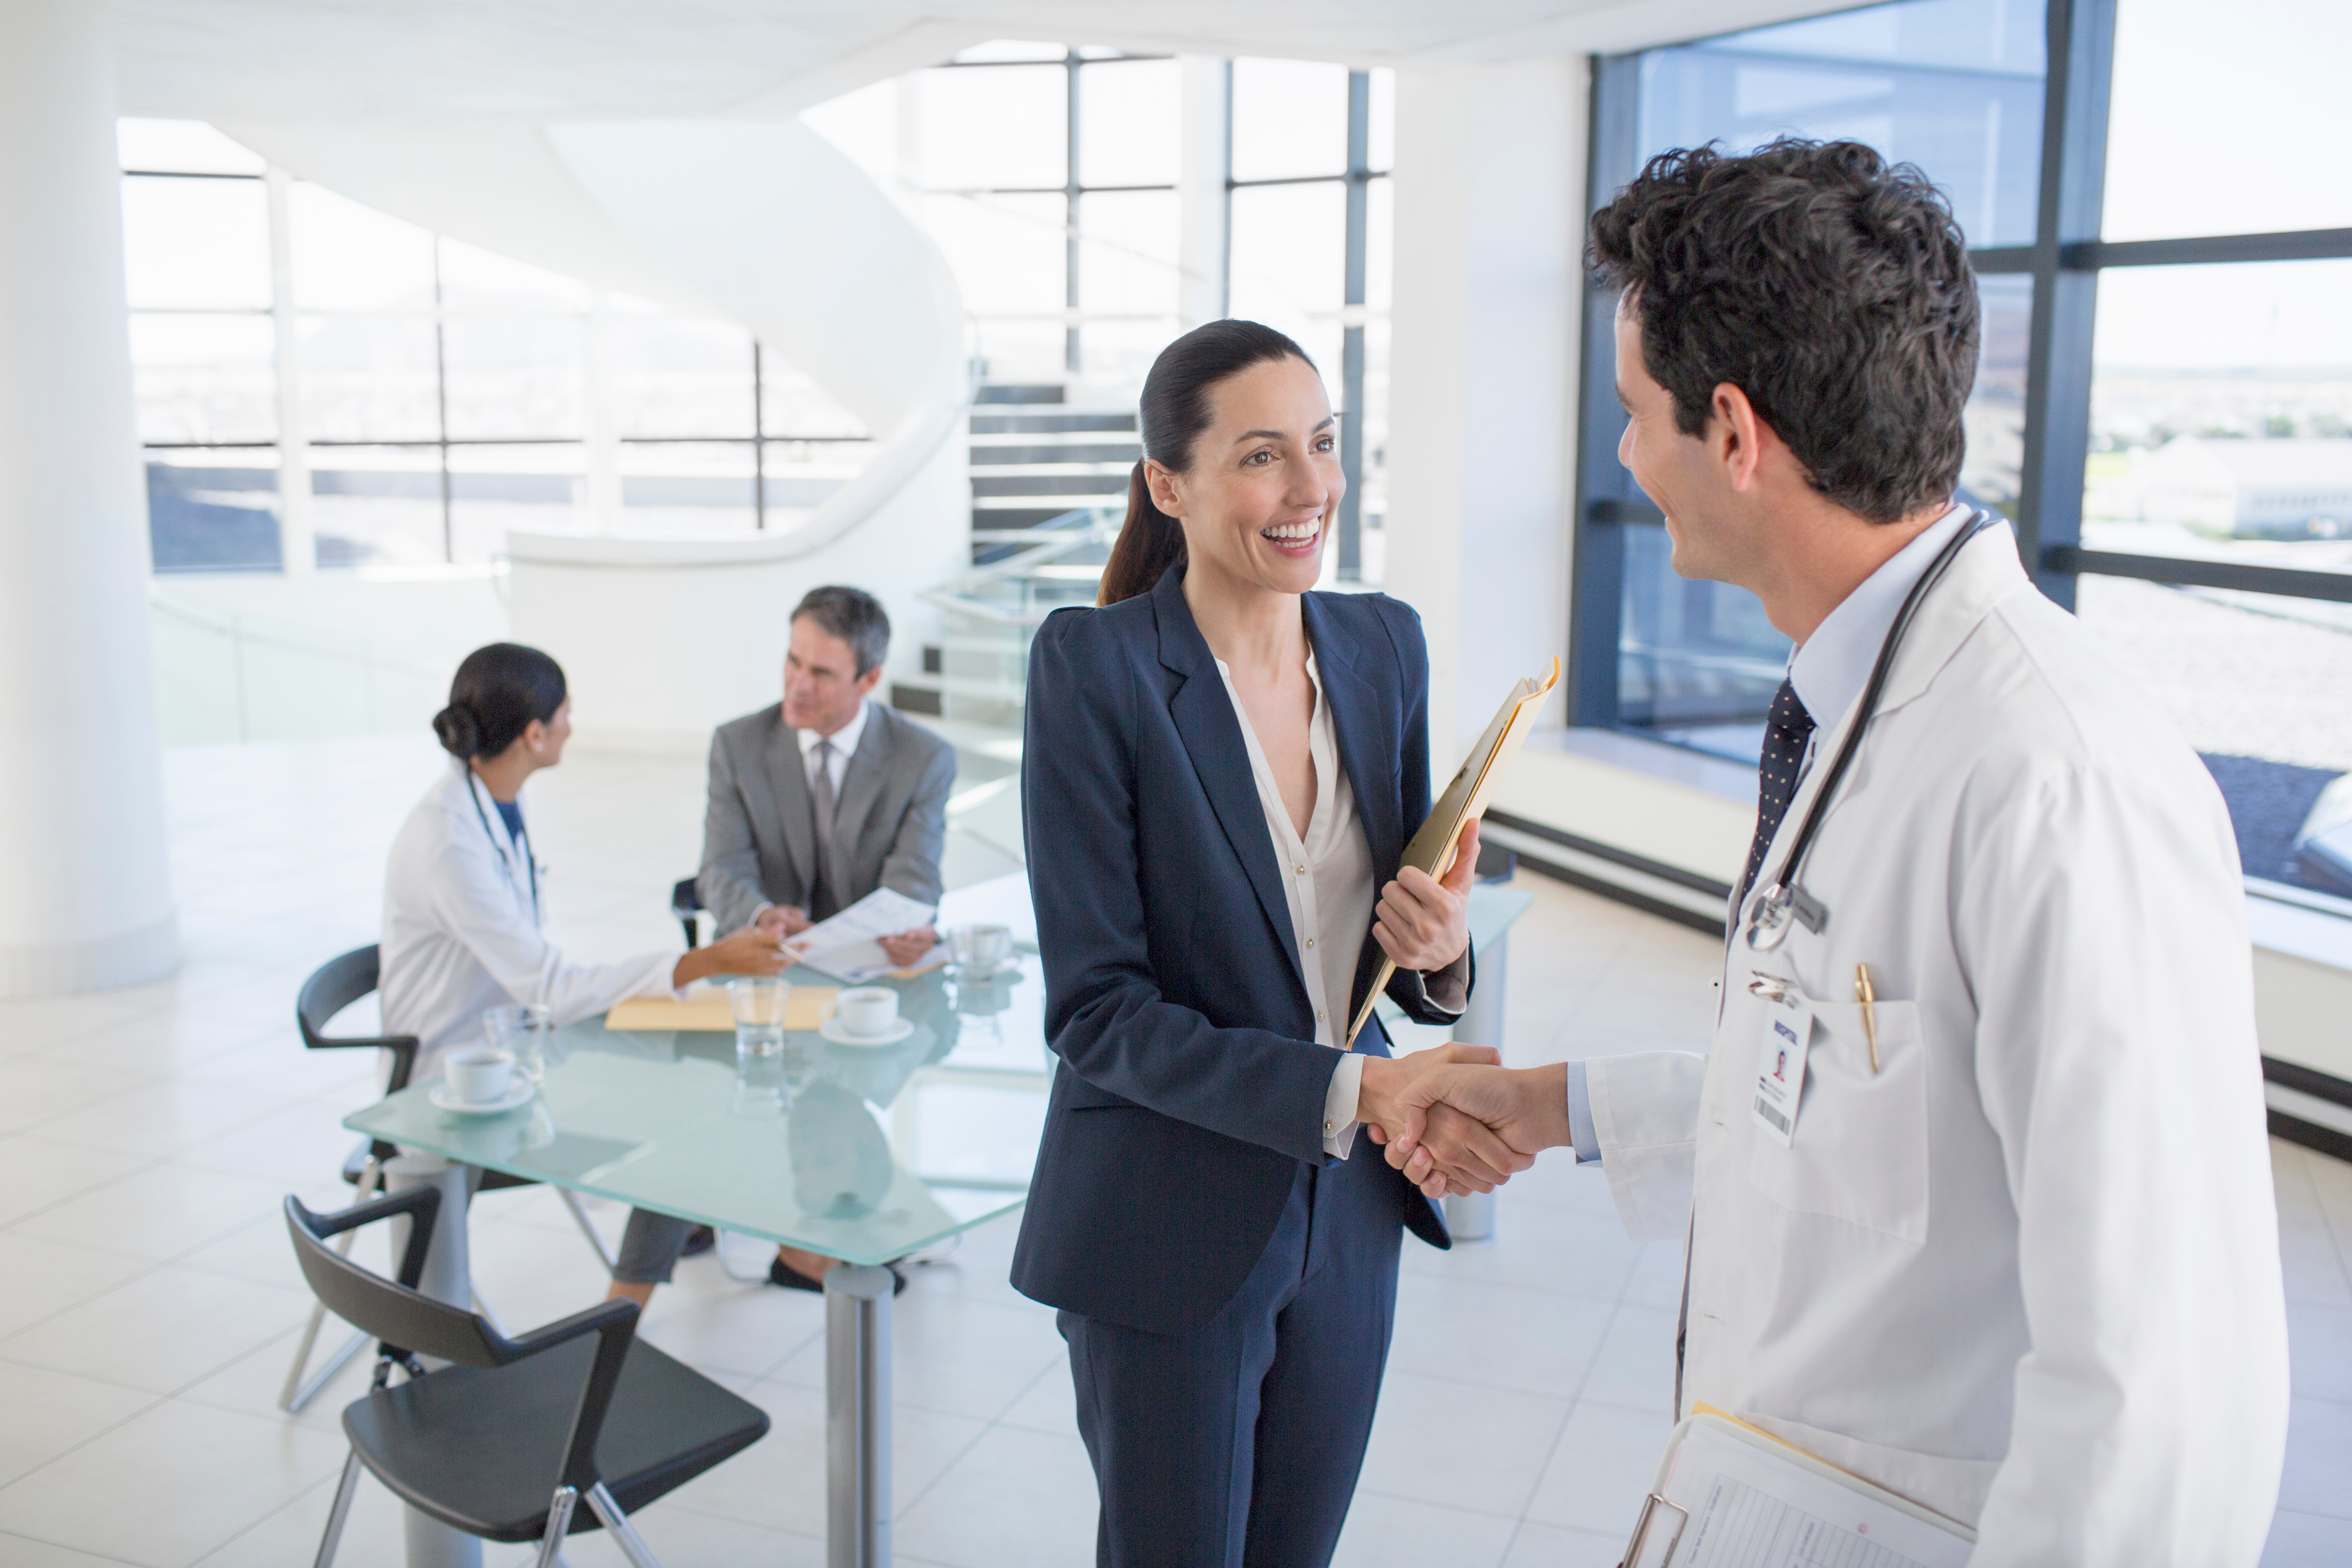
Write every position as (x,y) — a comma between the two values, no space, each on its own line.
(1786,730)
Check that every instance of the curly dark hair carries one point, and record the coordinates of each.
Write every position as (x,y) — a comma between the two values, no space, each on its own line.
(1831,286)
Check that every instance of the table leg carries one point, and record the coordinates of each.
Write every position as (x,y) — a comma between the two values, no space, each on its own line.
(858,1415)
(1470,1215)
(448,1278)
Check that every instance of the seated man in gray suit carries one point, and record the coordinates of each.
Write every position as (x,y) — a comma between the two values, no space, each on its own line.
(822,798)
(814,803)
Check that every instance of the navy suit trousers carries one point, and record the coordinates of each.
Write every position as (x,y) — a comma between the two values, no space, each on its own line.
(1237,1444)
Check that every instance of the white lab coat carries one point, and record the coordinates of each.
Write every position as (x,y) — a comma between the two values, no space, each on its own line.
(2027,1274)
(461,930)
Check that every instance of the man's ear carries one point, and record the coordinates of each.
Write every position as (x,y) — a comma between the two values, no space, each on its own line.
(868,680)
(1165,495)
(1735,436)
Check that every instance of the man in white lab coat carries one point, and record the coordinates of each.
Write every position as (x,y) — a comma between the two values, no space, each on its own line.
(2002,1239)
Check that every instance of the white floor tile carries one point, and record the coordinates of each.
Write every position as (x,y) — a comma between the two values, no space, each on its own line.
(2307,1541)
(40,1278)
(49,1413)
(17,1551)
(1549,1546)
(36,1089)
(161,1331)
(1018,1499)
(1601,1469)
(36,1174)
(157,1211)
(1461,1445)
(1396,1533)
(1636,1364)
(1051,1404)
(156,1119)
(963,1357)
(203,1476)
(1521,1340)
(2318,1477)
(1565,1252)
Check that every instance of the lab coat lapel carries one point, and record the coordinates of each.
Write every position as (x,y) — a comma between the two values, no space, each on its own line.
(786,776)
(1212,739)
(1368,749)
(472,806)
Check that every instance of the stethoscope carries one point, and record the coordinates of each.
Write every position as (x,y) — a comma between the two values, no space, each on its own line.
(1768,925)
(506,864)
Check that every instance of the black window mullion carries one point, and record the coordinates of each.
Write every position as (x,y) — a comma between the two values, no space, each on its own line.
(1351,352)
(2193,572)
(1605,495)
(2065,317)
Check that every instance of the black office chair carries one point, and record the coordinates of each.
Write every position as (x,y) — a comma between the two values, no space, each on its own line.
(509,1439)
(686,905)
(332,986)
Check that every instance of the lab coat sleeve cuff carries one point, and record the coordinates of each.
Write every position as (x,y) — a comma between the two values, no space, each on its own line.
(1580,1117)
(1339,1106)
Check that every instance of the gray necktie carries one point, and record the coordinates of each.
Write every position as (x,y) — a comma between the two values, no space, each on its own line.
(825,900)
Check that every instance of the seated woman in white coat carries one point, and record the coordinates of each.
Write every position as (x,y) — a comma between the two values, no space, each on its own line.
(463,902)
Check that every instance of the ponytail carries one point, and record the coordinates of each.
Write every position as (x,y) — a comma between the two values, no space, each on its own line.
(1148,543)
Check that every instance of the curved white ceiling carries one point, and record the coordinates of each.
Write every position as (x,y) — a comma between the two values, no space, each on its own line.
(427,60)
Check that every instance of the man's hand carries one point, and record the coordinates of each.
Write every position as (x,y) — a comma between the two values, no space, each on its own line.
(1394,1096)
(1423,923)
(908,947)
(782,919)
(1526,1109)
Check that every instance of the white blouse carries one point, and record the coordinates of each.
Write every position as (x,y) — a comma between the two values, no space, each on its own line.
(1328,884)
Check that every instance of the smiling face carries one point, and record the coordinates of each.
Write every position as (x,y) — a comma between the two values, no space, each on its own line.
(1257,502)
(1682,474)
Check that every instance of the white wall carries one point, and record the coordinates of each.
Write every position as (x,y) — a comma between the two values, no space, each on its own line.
(1489,234)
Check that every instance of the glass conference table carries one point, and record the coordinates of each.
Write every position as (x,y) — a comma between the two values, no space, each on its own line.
(865,1153)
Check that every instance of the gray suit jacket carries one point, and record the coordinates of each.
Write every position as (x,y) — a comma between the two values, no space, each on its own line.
(759,835)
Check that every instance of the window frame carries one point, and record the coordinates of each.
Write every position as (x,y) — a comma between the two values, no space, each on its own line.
(2064,261)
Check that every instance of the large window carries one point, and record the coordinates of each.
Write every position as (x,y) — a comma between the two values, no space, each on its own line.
(2164,406)
(409,398)
(1052,176)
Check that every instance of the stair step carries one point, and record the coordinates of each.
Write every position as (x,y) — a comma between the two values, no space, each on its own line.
(1018,391)
(1063,452)
(1113,484)
(1049,423)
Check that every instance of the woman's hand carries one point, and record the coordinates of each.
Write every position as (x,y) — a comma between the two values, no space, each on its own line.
(908,947)
(753,950)
(1423,923)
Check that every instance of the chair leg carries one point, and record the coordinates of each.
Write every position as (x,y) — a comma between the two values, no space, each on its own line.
(341,1513)
(296,1392)
(623,1533)
(558,1521)
(580,1217)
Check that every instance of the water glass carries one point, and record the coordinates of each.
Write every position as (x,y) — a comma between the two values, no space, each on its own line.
(762,1088)
(757,1003)
(522,1030)
(978,951)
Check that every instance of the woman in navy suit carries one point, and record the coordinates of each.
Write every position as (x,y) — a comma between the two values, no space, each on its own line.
(1220,773)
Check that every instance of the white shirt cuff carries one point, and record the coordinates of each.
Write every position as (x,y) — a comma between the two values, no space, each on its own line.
(1339,1106)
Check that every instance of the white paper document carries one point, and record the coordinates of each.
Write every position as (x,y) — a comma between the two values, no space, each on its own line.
(1751,1504)
(847,947)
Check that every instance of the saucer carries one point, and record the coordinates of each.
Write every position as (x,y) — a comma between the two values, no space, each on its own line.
(518,1094)
(899,1029)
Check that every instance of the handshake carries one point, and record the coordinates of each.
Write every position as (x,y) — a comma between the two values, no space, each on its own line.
(1455,1120)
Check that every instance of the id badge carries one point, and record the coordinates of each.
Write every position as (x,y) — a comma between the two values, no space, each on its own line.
(1788,1032)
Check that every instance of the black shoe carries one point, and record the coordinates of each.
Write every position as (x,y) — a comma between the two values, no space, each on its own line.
(698,1240)
(783,1273)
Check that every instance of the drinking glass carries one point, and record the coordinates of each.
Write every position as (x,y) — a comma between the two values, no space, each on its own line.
(757,1003)
(522,1030)
(979,950)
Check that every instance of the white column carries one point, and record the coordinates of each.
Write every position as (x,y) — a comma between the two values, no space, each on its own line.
(1200,191)
(85,887)
(1482,424)
(297,540)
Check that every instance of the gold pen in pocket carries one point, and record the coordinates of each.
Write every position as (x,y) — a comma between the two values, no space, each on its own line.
(1869,1000)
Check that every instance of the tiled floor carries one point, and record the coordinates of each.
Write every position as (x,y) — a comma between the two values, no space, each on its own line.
(148,1301)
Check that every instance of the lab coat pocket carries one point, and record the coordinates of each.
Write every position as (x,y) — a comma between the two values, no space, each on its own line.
(1860,1150)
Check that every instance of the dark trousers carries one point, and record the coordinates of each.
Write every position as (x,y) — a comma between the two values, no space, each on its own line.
(1238,1445)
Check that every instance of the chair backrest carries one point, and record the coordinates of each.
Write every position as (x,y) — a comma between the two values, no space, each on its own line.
(336,985)
(685,904)
(393,1312)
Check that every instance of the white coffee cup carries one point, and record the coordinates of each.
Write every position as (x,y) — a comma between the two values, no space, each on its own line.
(865,1010)
(478,1075)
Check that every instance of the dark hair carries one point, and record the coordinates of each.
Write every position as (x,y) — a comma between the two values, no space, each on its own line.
(1832,288)
(1174,411)
(498,692)
(854,616)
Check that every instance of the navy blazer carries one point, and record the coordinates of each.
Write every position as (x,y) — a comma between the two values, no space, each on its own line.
(1192,1087)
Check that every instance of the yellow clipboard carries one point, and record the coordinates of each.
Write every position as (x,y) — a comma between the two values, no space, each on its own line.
(1432,846)
(707,1011)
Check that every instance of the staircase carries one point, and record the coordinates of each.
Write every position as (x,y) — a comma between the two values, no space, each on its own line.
(1048,494)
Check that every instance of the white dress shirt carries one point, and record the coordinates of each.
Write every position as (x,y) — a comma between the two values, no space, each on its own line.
(844,743)
(1328,884)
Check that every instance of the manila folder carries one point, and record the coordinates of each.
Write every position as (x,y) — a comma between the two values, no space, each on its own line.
(1432,848)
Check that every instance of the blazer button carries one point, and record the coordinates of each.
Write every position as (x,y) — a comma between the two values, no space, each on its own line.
(1310,941)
